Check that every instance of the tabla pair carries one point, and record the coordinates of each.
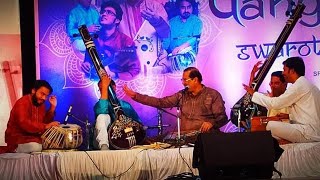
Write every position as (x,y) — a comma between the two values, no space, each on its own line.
(67,136)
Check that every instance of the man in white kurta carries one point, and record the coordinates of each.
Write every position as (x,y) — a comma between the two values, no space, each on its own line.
(303,101)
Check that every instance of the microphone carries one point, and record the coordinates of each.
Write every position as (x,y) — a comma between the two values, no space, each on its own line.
(185,89)
(68,114)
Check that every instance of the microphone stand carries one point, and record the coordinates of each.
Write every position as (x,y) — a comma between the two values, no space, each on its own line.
(178,124)
(87,125)
(178,116)
(160,125)
(239,120)
(237,111)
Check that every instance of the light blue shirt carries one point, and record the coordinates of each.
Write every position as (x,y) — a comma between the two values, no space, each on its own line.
(181,32)
(81,16)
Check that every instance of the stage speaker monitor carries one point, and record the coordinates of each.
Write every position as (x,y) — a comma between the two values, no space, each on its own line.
(234,155)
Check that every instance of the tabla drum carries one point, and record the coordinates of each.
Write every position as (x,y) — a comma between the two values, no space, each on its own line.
(67,136)
(184,59)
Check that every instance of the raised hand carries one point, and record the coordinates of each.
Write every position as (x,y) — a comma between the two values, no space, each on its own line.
(128,91)
(94,28)
(256,67)
(86,67)
(150,15)
(53,101)
(109,72)
(248,89)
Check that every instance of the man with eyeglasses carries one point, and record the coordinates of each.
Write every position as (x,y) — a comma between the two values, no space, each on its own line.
(201,108)
(116,50)
(278,86)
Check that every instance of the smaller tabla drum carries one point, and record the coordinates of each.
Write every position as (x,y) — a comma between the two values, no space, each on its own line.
(67,136)
(184,59)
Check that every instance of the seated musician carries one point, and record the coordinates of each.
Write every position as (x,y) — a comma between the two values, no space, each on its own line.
(202,108)
(278,86)
(185,32)
(302,100)
(104,112)
(116,50)
(29,119)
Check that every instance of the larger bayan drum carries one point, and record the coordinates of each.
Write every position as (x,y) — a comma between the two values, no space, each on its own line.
(67,136)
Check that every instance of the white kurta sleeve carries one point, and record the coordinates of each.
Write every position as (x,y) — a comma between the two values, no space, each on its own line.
(291,95)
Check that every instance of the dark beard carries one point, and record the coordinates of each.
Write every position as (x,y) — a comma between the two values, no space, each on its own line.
(185,15)
(34,100)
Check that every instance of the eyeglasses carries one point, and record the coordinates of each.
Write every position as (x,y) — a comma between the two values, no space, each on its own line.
(108,12)
(186,80)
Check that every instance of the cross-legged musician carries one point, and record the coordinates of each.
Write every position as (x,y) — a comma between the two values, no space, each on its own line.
(29,119)
(202,108)
(278,86)
(181,47)
(105,114)
(302,100)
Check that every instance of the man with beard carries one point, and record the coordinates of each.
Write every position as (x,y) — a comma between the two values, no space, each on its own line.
(185,32)
(29,119)
(116,49)
(302,100)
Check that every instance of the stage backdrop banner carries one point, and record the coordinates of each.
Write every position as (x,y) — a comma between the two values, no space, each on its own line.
(235,34)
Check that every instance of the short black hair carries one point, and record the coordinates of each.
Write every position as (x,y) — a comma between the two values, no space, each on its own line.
(295,63)
(115,6)
(193,3)
(42,83)
(279,75)
(194,72)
